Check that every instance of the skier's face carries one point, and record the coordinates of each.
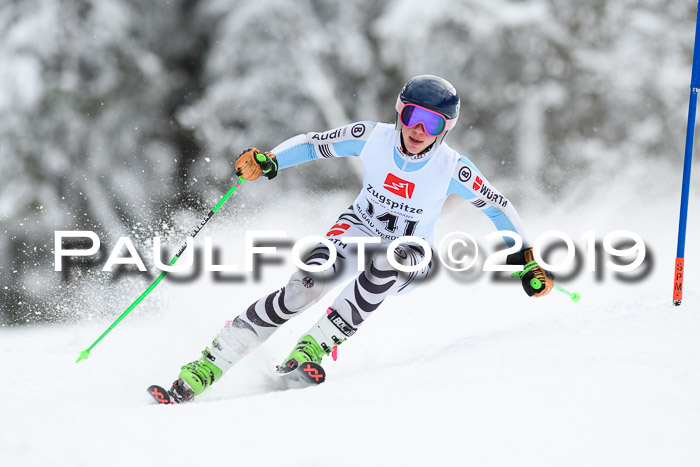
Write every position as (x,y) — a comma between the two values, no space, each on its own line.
(415,139)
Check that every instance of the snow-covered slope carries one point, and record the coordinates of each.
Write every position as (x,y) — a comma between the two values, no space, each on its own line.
(456,373)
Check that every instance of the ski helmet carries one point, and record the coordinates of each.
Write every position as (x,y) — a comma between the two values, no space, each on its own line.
(431,92)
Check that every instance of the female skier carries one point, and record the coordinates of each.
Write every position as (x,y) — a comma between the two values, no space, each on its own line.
(409,171)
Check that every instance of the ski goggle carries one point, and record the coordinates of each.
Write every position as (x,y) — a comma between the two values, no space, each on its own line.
(434,123)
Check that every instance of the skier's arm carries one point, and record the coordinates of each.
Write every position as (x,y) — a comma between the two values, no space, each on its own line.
(344,141)
(469,183)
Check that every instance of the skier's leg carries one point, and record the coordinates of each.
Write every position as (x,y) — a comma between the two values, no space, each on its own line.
(258,322)
(358,300)
(263,317)
(364,295)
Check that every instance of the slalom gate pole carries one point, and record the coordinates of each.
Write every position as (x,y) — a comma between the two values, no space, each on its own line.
(86,353)
(689,135)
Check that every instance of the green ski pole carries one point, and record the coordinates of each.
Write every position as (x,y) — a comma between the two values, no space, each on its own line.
(86,353)
(575,296)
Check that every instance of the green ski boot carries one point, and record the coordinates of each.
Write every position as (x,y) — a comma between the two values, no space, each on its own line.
(200,374)
(322,339)
(306,350)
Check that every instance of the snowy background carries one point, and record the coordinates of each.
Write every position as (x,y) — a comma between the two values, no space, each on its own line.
(123,117)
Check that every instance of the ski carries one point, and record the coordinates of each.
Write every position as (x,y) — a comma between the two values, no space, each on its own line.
(179,393)
(160,395)
(302,376)
(305,375)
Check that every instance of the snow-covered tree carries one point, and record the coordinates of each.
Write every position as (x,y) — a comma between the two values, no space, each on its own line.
(117,114)
(87,136)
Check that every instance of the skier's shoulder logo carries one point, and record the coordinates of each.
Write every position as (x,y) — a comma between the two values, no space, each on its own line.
(465,173)
(477,183)
(328,135)
(399,186)
(358,130)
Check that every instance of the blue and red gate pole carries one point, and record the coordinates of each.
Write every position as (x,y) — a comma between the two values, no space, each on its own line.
(690,133)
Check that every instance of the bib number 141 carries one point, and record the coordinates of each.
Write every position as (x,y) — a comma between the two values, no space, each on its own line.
(391,221)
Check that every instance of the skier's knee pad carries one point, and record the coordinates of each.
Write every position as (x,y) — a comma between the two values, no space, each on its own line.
(303,290)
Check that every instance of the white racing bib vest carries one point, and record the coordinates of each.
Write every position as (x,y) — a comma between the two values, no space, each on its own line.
(394,203)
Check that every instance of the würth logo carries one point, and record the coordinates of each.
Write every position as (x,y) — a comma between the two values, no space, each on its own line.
(477,183)
(398,186)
